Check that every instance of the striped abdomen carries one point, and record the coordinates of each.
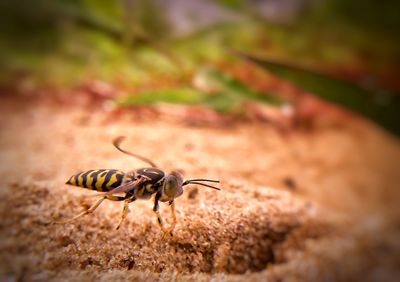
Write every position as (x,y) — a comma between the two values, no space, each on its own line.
(102,180)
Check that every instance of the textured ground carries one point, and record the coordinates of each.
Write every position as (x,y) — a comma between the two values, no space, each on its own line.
(305,206)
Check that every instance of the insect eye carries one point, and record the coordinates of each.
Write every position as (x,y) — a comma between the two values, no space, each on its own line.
(171,182)
(172,186)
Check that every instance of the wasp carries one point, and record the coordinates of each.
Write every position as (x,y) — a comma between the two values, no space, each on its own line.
(143,183)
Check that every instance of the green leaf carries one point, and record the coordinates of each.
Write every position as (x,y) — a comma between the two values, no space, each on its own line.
(228,94)
(231,88)
(379,106)
(186,96)
(235,5)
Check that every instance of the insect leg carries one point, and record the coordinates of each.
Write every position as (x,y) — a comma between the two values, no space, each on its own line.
(159,219)
(126,187)
(115,198)
(125,210)
(92,208)
(172,206)
(89,210)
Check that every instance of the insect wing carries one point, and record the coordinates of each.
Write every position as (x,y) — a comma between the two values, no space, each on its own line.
(126,187)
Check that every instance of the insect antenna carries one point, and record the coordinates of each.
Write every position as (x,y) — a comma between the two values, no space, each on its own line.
(117,141)
(201,179)
(195,181)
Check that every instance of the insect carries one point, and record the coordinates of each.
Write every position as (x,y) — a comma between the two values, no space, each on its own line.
(143,183)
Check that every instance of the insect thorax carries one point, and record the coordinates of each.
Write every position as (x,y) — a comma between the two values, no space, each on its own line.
(154,179)
(152,174)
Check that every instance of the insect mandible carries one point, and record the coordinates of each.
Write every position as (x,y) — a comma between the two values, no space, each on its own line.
(143,183)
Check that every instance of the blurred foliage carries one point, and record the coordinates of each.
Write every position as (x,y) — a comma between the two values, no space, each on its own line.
(231,4)
(186,96)
(380,106)
(368,15)
(65,43)
(145,19)
(105,39)
(225,87)
(369,27)
(214,89)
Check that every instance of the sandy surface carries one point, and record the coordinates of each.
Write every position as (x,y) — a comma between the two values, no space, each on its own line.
(307,206)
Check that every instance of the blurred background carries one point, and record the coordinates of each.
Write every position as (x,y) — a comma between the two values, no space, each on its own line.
(135,52)
(293,104)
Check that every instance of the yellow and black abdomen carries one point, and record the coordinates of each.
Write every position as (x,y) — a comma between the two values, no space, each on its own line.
(102,180)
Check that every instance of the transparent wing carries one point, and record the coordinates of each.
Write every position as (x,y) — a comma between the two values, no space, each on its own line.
(126,187)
